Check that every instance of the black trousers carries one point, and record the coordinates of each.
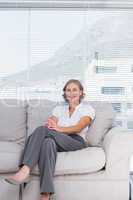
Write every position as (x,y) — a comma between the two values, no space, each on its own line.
(41,148)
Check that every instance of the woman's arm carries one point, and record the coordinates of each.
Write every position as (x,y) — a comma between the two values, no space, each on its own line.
(84,121)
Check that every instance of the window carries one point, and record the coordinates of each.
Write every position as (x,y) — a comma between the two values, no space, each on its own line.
(113,90)
(105,70)
(129,105)
(42,48)
(118,122)
(117,107)
(130,125)
(38,58)
(132,68)
(14,59)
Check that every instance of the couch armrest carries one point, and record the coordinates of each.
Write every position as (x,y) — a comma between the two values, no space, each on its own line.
(118,146)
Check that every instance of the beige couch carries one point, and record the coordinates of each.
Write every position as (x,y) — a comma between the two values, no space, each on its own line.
(99,172)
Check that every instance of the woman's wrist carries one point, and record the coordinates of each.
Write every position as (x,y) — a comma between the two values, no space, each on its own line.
(58,128)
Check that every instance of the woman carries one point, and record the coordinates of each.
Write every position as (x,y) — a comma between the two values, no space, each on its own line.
(64,131)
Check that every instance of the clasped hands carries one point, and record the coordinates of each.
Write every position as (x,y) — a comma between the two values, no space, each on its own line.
(52,124)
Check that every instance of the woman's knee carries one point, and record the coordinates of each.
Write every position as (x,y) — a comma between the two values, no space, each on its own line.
(39,129)
(38,132)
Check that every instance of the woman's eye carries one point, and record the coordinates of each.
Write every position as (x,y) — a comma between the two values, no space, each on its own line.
(67,90)
(75,90)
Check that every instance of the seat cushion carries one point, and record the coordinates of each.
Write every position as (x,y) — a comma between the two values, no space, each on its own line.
(9,156)
(88,160)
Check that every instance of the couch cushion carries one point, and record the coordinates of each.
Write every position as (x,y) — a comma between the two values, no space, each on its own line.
(105,116)
(12,120)
(9,156)
(88,160)
(38,112)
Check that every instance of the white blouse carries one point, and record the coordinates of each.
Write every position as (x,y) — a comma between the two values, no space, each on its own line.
(81,110)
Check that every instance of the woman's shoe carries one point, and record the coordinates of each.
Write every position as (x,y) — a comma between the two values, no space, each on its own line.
(15,182)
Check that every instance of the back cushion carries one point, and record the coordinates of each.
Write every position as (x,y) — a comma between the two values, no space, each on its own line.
(105,116)
(12,120)
(38,112)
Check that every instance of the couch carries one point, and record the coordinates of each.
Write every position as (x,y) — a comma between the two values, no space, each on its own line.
(98,172)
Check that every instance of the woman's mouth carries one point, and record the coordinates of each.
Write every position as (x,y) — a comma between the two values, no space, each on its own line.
(72,97)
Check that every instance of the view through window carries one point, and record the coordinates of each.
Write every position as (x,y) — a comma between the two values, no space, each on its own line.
(41,49)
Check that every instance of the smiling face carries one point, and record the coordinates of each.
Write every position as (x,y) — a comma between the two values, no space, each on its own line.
(73,93)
